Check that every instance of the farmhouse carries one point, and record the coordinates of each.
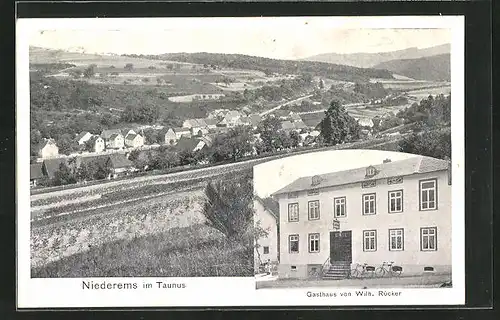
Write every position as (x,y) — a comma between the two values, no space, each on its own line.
(115,141)
(395,211)
(189,144)
(119,164)
(83,137)
(48,149)
(51,166)
(134,140)
(35,174)
(267,215)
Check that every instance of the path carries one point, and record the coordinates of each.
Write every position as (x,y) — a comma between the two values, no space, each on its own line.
(284,104)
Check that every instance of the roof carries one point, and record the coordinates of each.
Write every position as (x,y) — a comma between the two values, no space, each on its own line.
(270,205)
(187,144)
(255,119)
(181,129)
(233,114)
(295,116)
(197,122)
(119,160)
(102,159)
(414,165)
(131,136)
(36,171)
(52,165)
(287,125)
(299,125)
(106,134)
(211,122)
(81,135)
(44,142)
(114,136)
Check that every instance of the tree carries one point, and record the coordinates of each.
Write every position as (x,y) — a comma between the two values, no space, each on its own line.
(228,207)
(295,139)
(233,145)
(89,72)
(436,144)
(66,144)
(64,175)
(129,67)
(268,128)
(338,126)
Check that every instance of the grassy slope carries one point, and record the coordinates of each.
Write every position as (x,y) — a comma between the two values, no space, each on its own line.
(178,252)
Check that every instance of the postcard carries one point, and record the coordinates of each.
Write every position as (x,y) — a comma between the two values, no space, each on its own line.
(250,161)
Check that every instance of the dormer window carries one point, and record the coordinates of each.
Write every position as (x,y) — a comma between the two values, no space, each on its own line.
(371,171)
(315,180)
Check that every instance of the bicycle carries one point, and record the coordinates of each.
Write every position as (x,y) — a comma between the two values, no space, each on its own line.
(365,269)
(388,268)
(314,273)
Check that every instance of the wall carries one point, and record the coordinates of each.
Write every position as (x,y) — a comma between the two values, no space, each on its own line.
(411,219)
(267,222)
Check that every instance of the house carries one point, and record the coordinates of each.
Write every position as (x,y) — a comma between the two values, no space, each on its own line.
(119,164)
(36,174)
(231,119)
(48,149)
(186,144)
(211,123)
(196,123)
(199,131)
(99,144)
(51,166)
(171,137)
(267,216)
(125,133)
(83,137)
(365,122)
(395,211)
(115,141)
(295,117)
(134,140)
(106,134)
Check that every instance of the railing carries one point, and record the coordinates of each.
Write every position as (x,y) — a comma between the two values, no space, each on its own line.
(325,266)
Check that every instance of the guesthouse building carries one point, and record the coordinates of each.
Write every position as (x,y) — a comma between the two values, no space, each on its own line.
(396,211)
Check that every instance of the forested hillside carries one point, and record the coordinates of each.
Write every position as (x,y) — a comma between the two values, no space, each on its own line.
(434,68)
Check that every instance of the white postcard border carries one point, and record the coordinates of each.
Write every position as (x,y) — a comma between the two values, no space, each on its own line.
(220,292)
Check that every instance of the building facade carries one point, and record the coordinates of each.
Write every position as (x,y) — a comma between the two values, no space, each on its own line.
(48,149)
(396,211)
(266,216)
(99,145)
(115,141)
(134,140)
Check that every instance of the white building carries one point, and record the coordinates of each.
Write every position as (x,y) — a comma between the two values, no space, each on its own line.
(83,137)
(266,216)
(134,140)
(48,149)
(396,211)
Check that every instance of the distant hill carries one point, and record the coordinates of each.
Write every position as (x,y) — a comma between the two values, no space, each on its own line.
(267,65)
(433,68)
(371,60)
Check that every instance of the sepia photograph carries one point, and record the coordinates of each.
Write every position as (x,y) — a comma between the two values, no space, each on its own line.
(291,152)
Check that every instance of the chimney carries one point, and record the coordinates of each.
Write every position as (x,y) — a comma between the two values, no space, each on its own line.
(387,160)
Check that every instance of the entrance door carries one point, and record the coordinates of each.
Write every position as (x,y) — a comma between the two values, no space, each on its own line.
(341,246)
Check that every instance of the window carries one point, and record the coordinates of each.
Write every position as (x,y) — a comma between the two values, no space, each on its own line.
(370,240)
(340,209)
(313,192)
(266,250)
(314,210)
(293,243)
(396,201)
(394,180)
(369,204)
(293,212)
(428,239)
(396,239)
(314,242)
(428,194)
(368,184)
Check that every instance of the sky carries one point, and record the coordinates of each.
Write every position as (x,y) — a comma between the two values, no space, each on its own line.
(271,176)
(280,38)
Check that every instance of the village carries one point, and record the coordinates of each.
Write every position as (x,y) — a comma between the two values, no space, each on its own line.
(113,147)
